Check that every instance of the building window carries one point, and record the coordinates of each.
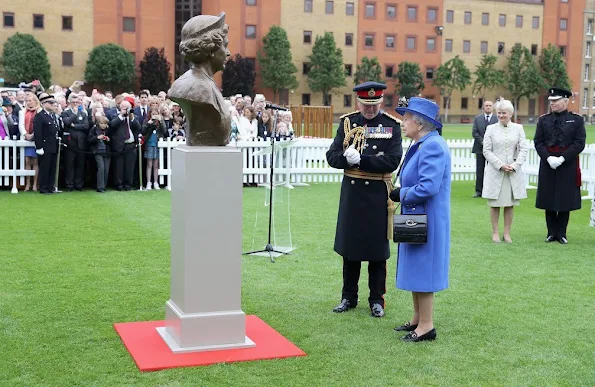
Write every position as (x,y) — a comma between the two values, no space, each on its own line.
(411,43)
(67,23)
(448,45)
(391,11)
(346,100)
(250,2)
(450,16)
(565,1)
(348,70)
(485,19)
(464,103)
(389,41)
(484,47)
(388,100)
(349,9)
(327,99)
(480,103)
(370,10)
(563,24)
(588,50)
(349,39)
(369,40)
(519,21)
(587,68)
(432,15)
(305,99)
(67,58)
(329,7)
(467,17)
(411,13)
(534,49)
(585,96)
(502,20)
(466,46)
(8,19)
(593,103)
(251,62)
(429,73)
(389,71)
(250,31)
(590,27)
(129,24)
(38,21)
(307,37)
(500,48)
(563,50)
(308,6)
(535,22)
(430,44)
(305,68)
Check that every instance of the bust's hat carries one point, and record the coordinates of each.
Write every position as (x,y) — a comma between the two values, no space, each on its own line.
(201,24)
(556,93)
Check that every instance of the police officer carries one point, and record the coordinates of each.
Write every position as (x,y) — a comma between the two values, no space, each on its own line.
(45,129)
(368,148)
(559,138)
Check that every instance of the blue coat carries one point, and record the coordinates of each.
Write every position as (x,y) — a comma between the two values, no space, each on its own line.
(425,182)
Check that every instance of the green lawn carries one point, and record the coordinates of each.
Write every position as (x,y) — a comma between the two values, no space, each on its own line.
(73,264)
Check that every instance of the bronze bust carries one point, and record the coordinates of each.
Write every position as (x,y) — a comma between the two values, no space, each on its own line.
(204,45)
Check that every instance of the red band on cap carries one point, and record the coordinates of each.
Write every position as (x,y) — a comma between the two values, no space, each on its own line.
(372,93)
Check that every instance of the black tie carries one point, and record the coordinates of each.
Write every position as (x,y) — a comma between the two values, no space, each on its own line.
(144,114)
(487,118)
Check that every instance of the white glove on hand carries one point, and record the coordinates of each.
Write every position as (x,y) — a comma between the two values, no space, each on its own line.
(353,157)
(561,159)
(40,151)
(553,162)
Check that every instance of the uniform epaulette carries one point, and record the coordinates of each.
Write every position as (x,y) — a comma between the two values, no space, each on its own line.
(392,117)
(349,114)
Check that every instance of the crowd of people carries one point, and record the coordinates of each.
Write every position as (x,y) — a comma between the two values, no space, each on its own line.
(102,133)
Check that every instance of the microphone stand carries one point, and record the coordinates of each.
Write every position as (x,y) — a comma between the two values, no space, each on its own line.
(269,247)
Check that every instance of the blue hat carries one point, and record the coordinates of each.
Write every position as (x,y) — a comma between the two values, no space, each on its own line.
(421,107)
(370,93)
(6,102)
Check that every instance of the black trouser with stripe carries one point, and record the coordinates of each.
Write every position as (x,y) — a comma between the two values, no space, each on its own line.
(557,222)
(376,281)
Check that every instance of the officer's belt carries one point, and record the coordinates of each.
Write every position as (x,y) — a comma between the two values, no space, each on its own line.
(560,149)
(387,178)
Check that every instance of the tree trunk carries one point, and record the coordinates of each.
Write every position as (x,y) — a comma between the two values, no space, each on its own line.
(516,109)
(446,109)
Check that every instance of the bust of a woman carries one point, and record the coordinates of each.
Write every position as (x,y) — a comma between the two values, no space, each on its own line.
(204,45)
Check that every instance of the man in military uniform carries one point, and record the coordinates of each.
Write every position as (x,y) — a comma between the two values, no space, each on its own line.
(45,129)
(559,138)
(368,147)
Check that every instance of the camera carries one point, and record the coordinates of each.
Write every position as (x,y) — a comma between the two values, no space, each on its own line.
(127,112)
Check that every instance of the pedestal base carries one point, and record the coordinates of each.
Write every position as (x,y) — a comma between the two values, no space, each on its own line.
(175,348)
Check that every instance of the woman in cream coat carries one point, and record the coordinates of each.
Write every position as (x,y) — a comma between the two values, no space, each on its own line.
(505,149)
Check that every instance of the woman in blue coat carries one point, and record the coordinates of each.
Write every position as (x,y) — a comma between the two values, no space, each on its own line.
(425,188)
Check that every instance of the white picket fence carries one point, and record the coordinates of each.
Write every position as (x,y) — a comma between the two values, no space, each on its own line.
(301,161)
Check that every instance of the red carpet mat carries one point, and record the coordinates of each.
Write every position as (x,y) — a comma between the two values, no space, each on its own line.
(150,353)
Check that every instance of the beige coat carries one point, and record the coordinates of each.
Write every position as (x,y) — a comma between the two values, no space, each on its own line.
(502,146)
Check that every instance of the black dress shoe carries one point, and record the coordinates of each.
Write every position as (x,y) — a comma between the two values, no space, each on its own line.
(377,310)
(477,195)
(563,240)
(70,189)
(406,327)
(344,306)
(550,239)
(412,337)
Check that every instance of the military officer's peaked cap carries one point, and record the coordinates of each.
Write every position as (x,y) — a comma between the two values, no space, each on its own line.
(557,93)
(370,93)
(45,97)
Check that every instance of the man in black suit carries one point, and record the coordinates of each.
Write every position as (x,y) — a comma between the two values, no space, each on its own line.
(124,136)
(45,128)
(480,124)
(76,123)
(142,110)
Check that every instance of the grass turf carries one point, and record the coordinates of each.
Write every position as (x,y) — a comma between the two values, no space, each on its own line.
(73,264)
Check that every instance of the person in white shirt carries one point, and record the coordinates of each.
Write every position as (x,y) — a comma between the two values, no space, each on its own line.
(248,124)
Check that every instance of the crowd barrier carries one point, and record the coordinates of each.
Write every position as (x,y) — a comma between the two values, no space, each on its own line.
(297,162)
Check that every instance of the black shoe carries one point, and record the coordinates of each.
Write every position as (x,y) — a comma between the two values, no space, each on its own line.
(127,188)
(70,189)
(477,195)
(412,337)
(563,240)
(377,310)
(550,239)
(45,192)
(344,306)
(406,327)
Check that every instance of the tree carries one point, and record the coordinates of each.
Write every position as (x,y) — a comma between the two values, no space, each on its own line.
(24,59)
(326,66)
(368,70)
(155,71)
(238,77)
(276,68)
(452,75)
(553,69)
(110,66)
(409,78)
(487,77)
(522,75)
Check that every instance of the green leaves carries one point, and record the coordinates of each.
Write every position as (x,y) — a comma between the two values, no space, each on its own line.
(410,79)
(523,78)
(553,68)
(276,67)
(452,75)
(24,59)
(368,70)
(326,65)
(238,77)
(154,71)
(487,77)
(110,66)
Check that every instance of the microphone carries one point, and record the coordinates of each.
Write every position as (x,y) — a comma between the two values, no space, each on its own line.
(275,107)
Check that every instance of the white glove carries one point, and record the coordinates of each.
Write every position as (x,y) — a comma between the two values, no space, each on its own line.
(353,157)
(553,162)
(561,159)
(40,151)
